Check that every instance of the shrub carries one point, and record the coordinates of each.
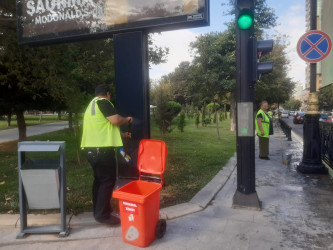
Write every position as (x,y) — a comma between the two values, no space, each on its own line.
(211,109)
(197,119)
(181,121)
(174,108)
(165,112)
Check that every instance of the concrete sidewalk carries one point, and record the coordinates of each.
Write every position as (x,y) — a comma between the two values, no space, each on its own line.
(297,213)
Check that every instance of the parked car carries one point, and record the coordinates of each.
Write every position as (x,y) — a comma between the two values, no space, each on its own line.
(292,113)
(285,114)
(326,117)
(330,116)
(299,118)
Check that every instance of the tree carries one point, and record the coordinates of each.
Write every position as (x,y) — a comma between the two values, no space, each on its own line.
(292,104)
(214,64)
(325,97)
(20,81)
(52,77)
(181,121)
(180,81)
(166,109)
(275,87)
(156,55)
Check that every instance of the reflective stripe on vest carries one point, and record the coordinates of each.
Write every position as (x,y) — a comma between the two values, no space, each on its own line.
(97,130)
(264,124)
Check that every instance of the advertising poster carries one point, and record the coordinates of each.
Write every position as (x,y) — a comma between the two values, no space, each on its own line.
(43,20)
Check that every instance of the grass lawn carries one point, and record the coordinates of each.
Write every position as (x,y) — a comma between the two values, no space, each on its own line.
(31,120)
(194,158)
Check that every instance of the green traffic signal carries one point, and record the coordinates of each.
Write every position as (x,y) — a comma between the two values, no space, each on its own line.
(245,21)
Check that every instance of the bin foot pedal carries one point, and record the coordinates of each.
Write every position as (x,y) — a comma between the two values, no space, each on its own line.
(65,233)
(21,236)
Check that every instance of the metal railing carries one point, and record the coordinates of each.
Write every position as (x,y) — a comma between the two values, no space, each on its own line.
(326,141)
(286,129)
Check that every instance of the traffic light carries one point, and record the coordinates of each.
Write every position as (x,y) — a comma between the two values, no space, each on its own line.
(260,48)
(245,14)
(245,19)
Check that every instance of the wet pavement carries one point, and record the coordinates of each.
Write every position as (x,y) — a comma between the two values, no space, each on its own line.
(297,213)
(300,205)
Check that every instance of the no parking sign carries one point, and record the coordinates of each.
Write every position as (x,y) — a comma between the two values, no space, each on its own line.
(314,46)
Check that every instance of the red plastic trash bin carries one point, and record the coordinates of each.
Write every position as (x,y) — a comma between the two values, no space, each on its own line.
(139,201)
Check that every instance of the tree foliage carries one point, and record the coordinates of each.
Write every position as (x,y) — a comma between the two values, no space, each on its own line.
(55,77)
(211,74)
(166,110)
(325,97)
(264,16)
(181,122)
(275,87)
(214,64)
(292,104)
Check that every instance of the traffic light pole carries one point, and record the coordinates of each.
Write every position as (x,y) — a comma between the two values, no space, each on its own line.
(246,195)
(311,162)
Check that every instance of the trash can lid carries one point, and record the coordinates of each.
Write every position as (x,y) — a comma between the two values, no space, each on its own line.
(38,147)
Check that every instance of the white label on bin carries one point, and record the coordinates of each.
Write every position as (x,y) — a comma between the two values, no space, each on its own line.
(131,217)
(132,233)
(131,208)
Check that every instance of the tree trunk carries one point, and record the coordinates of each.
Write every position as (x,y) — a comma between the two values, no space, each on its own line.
(9,119)
(217,122)
(70,120)
(77,140)
(225,112)
(233,111)
(59,115)
(22,127)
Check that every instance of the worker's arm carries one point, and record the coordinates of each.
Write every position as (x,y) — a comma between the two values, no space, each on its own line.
(119,120)
(259,119)
(126,135)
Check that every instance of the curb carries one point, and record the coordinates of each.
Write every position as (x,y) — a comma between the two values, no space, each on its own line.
(300,139)
(202,199)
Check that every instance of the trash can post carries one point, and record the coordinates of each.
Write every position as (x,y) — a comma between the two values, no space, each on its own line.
(63,191)
(22,199)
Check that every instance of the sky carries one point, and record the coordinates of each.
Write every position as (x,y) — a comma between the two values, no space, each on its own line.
(291,22)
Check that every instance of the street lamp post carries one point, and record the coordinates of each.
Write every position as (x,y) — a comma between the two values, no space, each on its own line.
(311,162)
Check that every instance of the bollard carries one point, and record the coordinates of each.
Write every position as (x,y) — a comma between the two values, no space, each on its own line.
(286,129)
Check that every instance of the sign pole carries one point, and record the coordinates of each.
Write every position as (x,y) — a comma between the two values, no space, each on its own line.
(311,162)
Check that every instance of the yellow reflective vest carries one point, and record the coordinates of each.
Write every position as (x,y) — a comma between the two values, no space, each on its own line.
(97,130)
(264,123)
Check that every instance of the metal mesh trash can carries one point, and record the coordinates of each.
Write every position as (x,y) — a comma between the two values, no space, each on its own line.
(42,184)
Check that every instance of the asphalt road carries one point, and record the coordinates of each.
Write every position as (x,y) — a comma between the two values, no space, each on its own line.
(12,134)
(297,128)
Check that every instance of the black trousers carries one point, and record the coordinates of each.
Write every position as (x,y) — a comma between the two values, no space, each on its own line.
(263,146)
(103,163)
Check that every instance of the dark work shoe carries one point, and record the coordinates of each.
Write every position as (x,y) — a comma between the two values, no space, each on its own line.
(264,158)
(112,220)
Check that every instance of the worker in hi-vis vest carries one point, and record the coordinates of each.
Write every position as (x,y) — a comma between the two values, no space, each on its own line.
(262,128)
(101,138)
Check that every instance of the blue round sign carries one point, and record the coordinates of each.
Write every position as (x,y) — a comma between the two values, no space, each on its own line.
(314,46)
